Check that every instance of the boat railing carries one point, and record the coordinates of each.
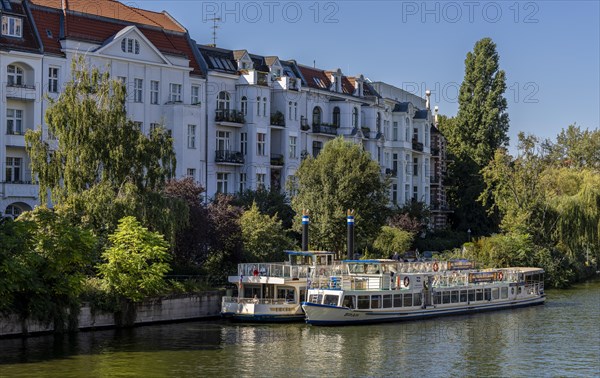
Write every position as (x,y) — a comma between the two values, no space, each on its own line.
(268,301)
(280,270)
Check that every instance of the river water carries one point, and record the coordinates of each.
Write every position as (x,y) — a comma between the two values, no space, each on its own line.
(560,338)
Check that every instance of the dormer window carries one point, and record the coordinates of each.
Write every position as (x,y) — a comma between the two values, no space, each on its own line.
(12,26)
(130,45)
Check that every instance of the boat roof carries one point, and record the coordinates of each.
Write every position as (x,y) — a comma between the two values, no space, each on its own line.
(308,253)
(364,261)
(525,269)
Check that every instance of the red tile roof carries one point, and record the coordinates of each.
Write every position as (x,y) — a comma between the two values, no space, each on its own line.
(98,30)
(116,10)
(314,76)
(28,42)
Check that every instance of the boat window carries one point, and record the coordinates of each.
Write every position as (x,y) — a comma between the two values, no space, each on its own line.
(504,292)
(471,295)
(302,294)
(446,297)
(520,290)
(397,300)
(437,298)
(487,294)
(495,293)
(387,301)
(417,300)
(454,296)
(363,301)
(478,294)
(407,300)
(331,300)
(348,301)
(375,301)
(463,295)
(315,298)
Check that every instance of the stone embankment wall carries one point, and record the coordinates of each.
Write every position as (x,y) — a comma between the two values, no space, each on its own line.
(161,310)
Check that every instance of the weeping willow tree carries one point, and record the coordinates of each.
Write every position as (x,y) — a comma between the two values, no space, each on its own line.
(97,162)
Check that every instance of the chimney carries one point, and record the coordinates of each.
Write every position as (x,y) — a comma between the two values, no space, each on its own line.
(427,95)
(305,223)
(435,115)
(350,223)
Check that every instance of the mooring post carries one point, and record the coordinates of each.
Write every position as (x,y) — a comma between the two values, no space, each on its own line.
(350,223)
(305,223)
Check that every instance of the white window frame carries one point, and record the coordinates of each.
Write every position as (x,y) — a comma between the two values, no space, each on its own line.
(261,142)
(261,180)
(174,92)
(264,106)
(14,121)
(243,179)
(138,90)
(154,91)
(293,143)
(14,169)
(258,106)
(53,73)
(191,172)
(244,143)
(244,105)
(15,75)
(195,98)
(222,182)
(130,46)
(223,140)
(191,137)
(12,26)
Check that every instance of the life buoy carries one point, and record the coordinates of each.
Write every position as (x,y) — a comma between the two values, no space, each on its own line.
(255,272)
(500,276)
(406,281)
(436,267)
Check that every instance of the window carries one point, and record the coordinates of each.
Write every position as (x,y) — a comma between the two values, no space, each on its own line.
(406,192)
(316,116)
(53,79)
(139,125)
(395,131)
(415,193)
(123,81)
(191,172)
(394,194)
(223,101)
(242,182)
(154,92)
(378,122)
(175,92)
(261,139)
(14,121)
(12,26)
(244,105)
(138,90)
(317,147)
(296,111)
(416,134)
(222,182)
(293,141)
(15,75)
(191,136)
(195,95)
(260,180)
(290,110)
(354,117)
(244,143)
(415,166)
(223,140)
(153,126)
(407,129)
(130,45)
(13,169)
(13,211)
(258,106)
(395,162)
(264,106)
(336,117)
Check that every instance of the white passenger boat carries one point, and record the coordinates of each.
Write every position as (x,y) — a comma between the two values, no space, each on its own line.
(372,291)
(273,292)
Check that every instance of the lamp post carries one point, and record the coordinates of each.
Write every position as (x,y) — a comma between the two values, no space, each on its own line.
(469,233)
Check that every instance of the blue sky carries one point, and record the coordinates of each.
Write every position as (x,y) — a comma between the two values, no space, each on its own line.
(550,50)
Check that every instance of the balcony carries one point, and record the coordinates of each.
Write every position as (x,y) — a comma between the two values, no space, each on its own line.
(417,146)
(304,124)
(325,129)
(278,119)
(229,117)
(391,172)
(435,180)
(262,78)
(21,92)
(229,157)
(277,160)
(435,151)
(365,131)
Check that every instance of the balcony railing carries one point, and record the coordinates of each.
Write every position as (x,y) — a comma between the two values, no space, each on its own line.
(15,85)
(435,179)
(322,129)
(229,115)
(278,119)
(417,146)
(435,151)
(227,156)
(391,172)
(365,131)
(277,159)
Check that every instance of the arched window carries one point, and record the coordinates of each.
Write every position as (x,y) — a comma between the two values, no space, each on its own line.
(354,117)
(336,116)
(13,211)
(130,45)
(316,120)
(258,106)
(290,110)
(223,101)
(378,122)
(407,129)
(244,105)
(264,106)
(296,111)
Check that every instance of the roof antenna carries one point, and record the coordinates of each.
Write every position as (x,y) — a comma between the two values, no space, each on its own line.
(214,28)
(314,63)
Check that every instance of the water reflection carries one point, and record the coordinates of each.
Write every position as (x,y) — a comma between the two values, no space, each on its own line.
(560,338)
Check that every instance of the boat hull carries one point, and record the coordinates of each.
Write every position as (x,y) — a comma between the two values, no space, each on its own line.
(320,314)
(262,313)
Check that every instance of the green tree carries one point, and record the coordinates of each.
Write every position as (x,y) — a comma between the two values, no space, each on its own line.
(391,239)
(480,127)
(270,202)
(136,261)
(574,147)
(263,236)
(101,165)
(343,176)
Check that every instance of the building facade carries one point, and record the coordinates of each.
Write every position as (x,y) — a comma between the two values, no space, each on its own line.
(238,120)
